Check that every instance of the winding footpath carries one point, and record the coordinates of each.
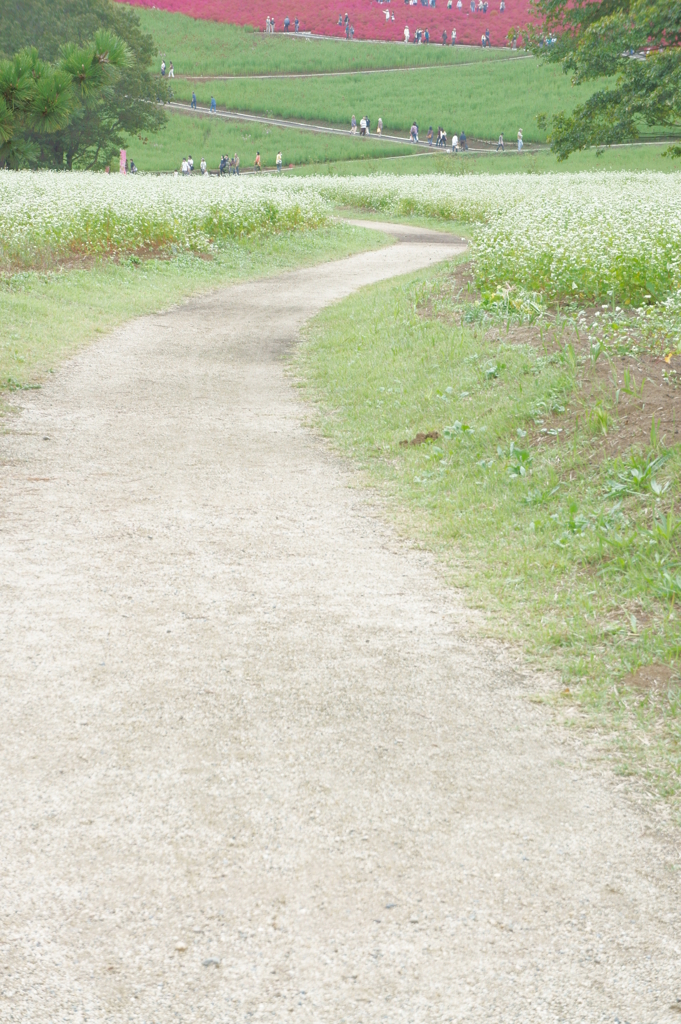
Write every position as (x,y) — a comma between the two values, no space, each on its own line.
(256,763)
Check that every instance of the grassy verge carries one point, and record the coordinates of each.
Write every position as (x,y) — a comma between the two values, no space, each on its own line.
(210,137)
(630,158)
(214,48)
(46,317)
(484,99)
(546,493)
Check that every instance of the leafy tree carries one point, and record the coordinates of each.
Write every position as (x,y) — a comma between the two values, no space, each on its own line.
(633,43)
(124,106)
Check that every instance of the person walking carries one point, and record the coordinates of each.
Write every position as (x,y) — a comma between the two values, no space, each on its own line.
(444,36)
(379,126)
(500,143)
(203,166)
(453,36)
(287,23)
(463,142)
(185,165)
(224,163)
(257,161)
(353,124)
(406,33)
(163,68)
(193,101)
(520,140)
(236,163)
(213,107)
(171,71)
(296,25)
(278,162)
(267,25)
(190,163)
(455,143)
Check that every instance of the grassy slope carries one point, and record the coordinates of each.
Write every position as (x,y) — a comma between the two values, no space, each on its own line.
(46,317)
(211,48)
(323,154)
(484,99)
(394,364)
(211,137)
(630,158)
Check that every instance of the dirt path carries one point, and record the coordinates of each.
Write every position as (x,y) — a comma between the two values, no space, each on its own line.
(254,763)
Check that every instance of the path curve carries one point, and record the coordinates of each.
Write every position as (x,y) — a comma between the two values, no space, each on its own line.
(255,762)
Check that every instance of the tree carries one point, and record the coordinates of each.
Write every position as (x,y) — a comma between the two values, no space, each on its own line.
(42,105)
(127,104)
(634,43)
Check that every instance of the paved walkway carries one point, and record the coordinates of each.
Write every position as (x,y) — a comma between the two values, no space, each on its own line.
(255,762)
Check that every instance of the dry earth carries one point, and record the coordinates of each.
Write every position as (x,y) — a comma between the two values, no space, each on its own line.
(256,763)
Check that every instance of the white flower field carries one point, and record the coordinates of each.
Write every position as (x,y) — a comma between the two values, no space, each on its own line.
(46,215)
(579,235)
(582,236)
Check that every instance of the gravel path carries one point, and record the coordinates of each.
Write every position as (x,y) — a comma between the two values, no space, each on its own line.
(255,764)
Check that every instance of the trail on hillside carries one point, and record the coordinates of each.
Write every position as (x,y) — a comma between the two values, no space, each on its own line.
(345,74)
(279,122)
(256,762)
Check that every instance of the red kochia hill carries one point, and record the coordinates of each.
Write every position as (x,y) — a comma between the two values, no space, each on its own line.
(367,17)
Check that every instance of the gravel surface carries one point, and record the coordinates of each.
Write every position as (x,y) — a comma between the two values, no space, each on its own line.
(256,763)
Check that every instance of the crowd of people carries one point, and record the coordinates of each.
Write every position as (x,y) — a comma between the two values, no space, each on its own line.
(423,35)
(365,125)
(458,142)
(227,165)
(344,22)
(270,25)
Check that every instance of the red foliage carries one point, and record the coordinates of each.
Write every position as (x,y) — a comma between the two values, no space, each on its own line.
(366,16)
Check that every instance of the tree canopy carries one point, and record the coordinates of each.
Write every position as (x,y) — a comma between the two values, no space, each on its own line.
(52,43)
(635,45)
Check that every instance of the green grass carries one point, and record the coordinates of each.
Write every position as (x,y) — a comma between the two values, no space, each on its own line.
(47,317)
(629,158)
(521,517)
(484,99)
(210,48)
(212,136)
(321,154)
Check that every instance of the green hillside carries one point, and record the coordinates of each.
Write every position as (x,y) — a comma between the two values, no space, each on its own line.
(211,48)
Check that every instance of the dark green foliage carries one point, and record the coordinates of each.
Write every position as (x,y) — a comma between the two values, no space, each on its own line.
(634,42)
(104,108)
